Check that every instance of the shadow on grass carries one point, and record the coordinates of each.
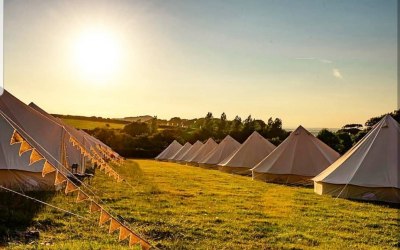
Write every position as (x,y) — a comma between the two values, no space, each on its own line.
(17,213)
(379,203)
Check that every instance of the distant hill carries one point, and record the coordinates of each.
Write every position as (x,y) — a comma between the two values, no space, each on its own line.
(142,118)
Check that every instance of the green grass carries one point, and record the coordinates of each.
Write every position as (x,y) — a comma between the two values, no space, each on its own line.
(85,124)
(182,207)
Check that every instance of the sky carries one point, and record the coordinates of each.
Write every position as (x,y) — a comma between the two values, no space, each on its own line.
(315,63)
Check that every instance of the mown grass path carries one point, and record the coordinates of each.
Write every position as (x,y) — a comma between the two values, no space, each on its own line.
(182,207)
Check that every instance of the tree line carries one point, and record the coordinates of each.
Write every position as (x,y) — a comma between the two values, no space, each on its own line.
(148,139)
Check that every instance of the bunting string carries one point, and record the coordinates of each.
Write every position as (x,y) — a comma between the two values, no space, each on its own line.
(42,202)
(60,178)
(70,187)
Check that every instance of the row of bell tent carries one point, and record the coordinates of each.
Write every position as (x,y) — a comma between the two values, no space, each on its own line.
(31,140)
(368,171)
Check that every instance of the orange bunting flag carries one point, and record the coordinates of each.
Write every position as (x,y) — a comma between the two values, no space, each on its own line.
(71,187)
(134,239)
(145,245)
(119,178)
(25,147)
(59,178)
(102,166)
(107,169)
(16,138)
(70,139)
(81,197)
(114,225)
(47,168)
(104,217)
(123,233)
(35,156)
(94,207)
(111,173)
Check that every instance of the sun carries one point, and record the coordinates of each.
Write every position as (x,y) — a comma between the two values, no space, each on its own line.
(97,55)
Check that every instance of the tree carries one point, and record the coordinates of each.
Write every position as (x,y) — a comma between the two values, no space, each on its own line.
(330,139)
(372,121)
(248,128)
(352,129)
(345,142)
(154,125)
(208,122)
(235,128)
(136,129)
(356,138)
(236,124)
(259,125)
(175,121)
(222,126)
(274,129)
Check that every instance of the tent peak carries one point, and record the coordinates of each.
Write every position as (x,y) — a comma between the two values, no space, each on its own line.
(300,129)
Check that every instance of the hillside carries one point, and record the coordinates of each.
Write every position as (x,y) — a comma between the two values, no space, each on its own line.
(182,207)
(143,118)
(87,124)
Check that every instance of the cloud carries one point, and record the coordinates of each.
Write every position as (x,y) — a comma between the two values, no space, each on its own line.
(325,61)
(336,73)
(314,59)
(305,58)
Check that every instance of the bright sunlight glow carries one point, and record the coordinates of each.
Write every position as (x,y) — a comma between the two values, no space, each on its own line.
(97,55)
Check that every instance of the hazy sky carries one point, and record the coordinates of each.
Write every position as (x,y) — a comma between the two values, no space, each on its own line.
(316,63)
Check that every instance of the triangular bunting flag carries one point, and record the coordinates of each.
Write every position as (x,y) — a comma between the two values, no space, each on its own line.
(145,245)
(102,166)
(104,217)
(71,187)
(115,176)
(94,207)
(47,168)
(24,147)
(107,170)
(35,156)
(72,141)
(16,138)
(134,239)
(59,178)
(114,225)
(123,233)
(81,197)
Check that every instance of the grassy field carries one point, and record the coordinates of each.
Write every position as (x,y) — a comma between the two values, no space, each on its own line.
(85,124)
(182,207)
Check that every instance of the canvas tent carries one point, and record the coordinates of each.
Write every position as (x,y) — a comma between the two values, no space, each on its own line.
(84,139)
(227,146)
(180,152)
(169,151)
(369,170)
(296,160)
(49,139)
(251,152)
(75,156)
(201,153)
(15,171)
(189,154)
